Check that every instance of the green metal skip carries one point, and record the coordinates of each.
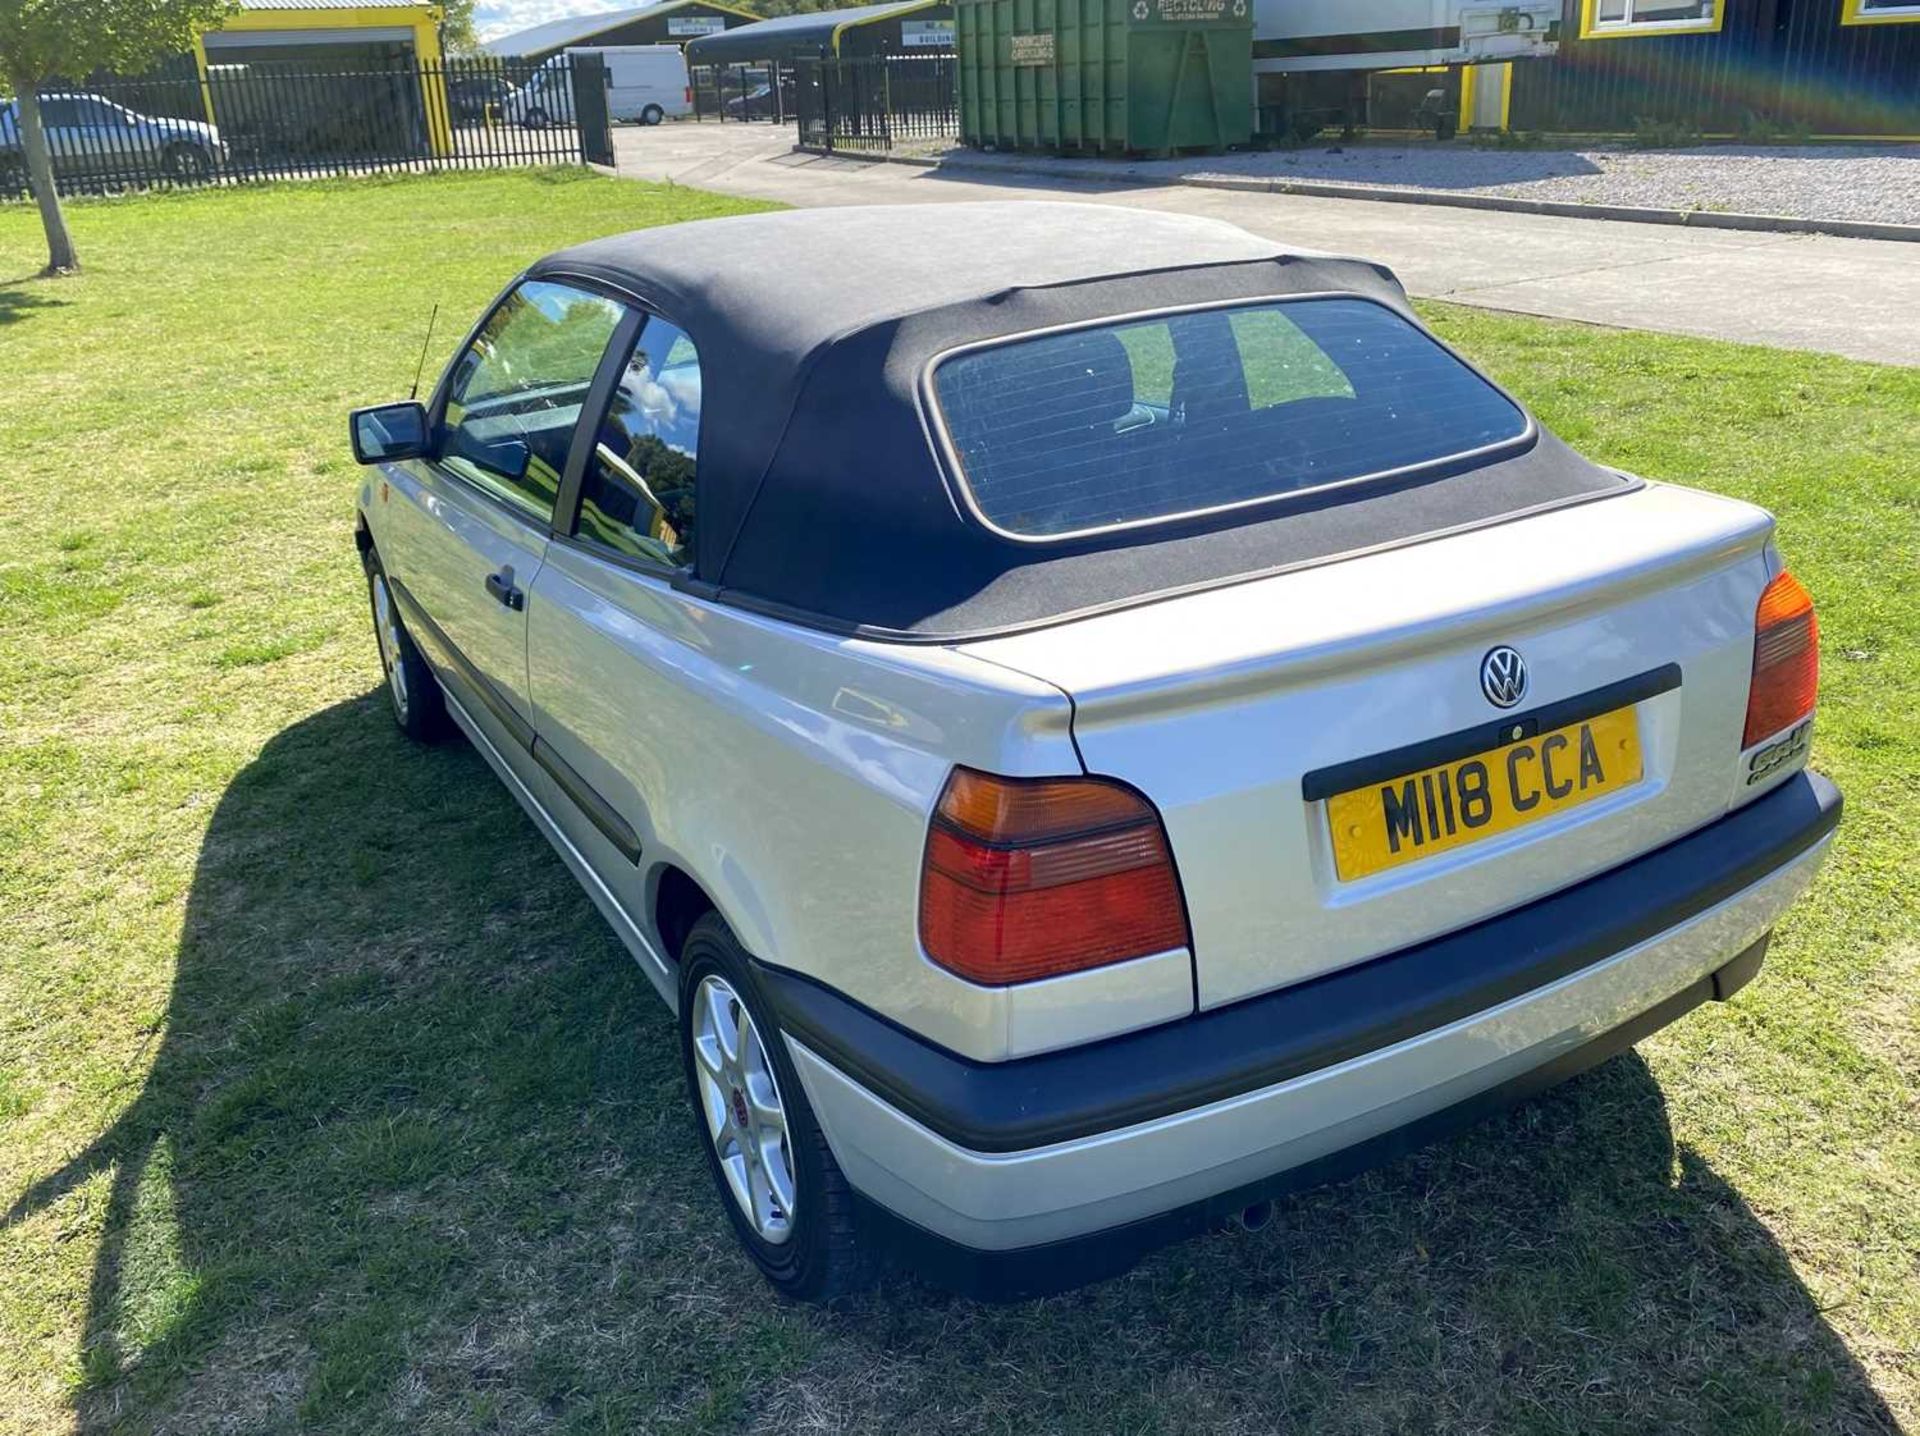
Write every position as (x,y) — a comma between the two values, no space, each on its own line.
(1105,76)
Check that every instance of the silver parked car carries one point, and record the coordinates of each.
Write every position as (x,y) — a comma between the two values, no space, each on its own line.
(88,135)
(1088,717)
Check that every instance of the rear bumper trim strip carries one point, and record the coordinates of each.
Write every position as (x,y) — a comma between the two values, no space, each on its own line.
(1020,1273)
(1262,1041)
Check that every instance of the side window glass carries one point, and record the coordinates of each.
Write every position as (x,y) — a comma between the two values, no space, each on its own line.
(517,391)
(1280,363)
(58,113)
(1150,351)
(638,494)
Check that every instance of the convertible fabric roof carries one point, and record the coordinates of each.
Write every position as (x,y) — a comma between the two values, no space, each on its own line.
(821,491)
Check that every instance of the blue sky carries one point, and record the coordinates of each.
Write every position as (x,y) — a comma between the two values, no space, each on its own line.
(503,17)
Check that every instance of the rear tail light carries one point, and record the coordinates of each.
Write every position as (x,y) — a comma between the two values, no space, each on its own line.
(1028,878)
(1786,660)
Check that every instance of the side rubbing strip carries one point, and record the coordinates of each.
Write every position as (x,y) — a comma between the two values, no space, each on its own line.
(1378,767)
(471,678)
(602,814)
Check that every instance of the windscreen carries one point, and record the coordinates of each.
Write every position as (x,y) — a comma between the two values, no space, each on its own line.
(1131,422)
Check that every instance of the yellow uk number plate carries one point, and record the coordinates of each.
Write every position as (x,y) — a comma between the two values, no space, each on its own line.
(1417,814)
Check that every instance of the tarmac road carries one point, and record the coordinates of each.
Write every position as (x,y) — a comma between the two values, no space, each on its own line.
(1854,297)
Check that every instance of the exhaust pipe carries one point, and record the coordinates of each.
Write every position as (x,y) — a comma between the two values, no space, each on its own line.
(1255,1217)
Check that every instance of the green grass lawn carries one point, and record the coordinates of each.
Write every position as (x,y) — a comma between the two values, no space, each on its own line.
(326,1099)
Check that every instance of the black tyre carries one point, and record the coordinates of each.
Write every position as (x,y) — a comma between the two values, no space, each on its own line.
(414,693)
(188,162)
(536,119)
(652,115)
(783,1192)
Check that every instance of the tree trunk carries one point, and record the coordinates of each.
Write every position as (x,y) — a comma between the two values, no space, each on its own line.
(61,257)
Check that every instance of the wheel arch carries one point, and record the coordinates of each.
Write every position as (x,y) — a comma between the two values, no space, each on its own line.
(678,902)
(679,892)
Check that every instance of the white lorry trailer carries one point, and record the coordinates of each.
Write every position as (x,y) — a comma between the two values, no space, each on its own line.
(1311,57)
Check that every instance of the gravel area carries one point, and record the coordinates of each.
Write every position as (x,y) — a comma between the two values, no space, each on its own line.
(1855,182)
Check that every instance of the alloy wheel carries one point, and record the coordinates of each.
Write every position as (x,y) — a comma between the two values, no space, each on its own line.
(746,1120)
(386,626)
(188,162)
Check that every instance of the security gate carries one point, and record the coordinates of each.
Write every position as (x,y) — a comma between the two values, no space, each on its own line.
(872,103)
(591,111)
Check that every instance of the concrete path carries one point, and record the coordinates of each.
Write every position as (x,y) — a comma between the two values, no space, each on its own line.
(1855,297)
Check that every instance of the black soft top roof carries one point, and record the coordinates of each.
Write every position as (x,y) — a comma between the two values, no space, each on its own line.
(822,494)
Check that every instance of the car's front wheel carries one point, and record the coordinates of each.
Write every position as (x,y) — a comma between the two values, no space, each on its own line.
(413,691)
(190,163)
(536,119)
(784,1193)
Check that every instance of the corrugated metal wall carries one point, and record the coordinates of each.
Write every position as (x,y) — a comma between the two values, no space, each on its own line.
(1789,62)
(1851,79)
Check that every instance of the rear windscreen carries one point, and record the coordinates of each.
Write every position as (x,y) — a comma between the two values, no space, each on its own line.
(1131,422)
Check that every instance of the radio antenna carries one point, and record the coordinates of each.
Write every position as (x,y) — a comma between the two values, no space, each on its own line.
(425,344)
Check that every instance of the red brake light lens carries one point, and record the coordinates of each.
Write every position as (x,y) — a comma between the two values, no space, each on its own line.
(1027,878)
(1786,660)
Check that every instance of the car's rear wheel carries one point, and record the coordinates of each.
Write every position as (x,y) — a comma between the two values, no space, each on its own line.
(536,119)
(188,162)
(652,115)
(414,693)
(784,1193)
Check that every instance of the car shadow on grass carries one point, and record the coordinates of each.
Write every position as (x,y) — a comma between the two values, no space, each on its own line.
(412,1155)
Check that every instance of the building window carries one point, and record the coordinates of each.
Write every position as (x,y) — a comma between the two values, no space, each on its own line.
(1601,19)
(1881,12)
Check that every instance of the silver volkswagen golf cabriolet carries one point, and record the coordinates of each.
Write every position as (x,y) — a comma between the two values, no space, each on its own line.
(1088,717)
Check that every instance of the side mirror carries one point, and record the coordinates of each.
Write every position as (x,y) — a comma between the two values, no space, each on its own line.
(386,432)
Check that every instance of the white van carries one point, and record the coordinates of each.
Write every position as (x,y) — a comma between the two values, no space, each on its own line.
(647,83)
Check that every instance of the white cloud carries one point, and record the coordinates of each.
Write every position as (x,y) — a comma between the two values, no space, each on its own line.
(493,18)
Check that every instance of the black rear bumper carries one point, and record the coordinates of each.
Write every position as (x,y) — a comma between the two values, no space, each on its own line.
(1214,1055)
(1057,1266)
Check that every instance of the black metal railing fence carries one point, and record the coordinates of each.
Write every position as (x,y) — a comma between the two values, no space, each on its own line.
(275,121)
(872,103)
(742,92)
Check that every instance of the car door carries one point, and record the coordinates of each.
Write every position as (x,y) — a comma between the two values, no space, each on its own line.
(12,151)
(60,121)
(79,135)
(464,533)
(611,638)
(110,137)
